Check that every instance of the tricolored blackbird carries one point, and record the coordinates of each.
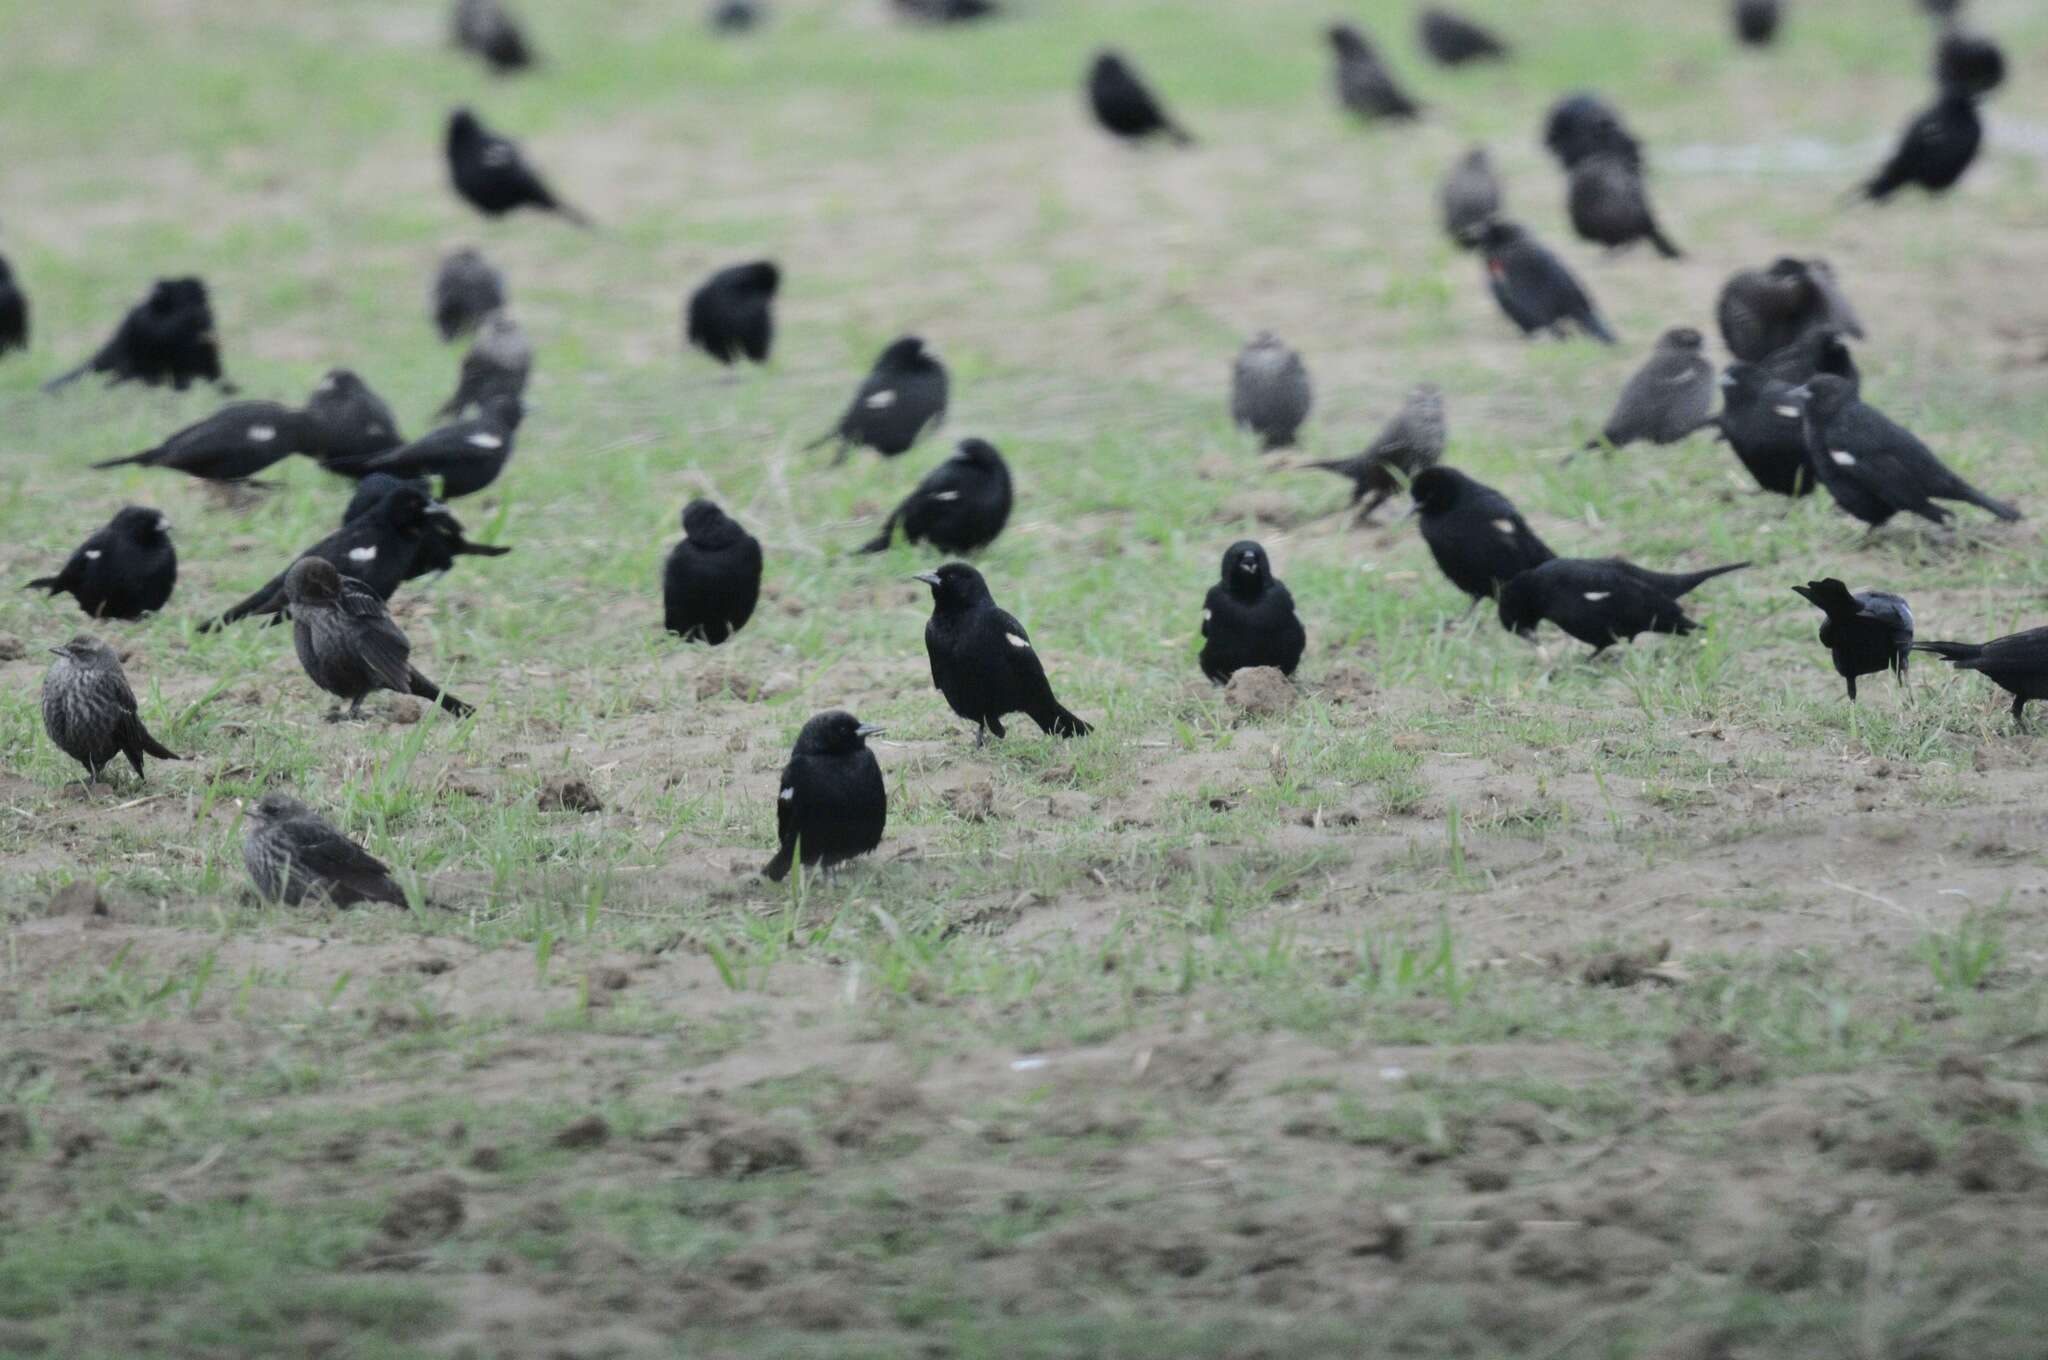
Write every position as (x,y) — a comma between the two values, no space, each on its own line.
(960,506)
(732,314)
(1248,617)
(1533,287)
(349,424)
(2017,664)
(467,456)
(467,288)
(231,445)
(123,571)
(1765,423)
(831,804)
(1125,107)
(13,310)
(1610,206)
(1666,399)
(903,395)
(167,339)
(1600,601)
(983,661)
(499,361)
(712,578)
(1935,149)
(377,548)
(491,174)
(1969,62)
(488,29)
(292,853)
(1875,468)
(1364,84)
(443,540)
(1756,21)
(1454,40)
(89,711)
(348,643)
(1868,632)
(1582,125)
(1470,197)
(1269,391)
(1476,535)
(1412,441)
(1762,311)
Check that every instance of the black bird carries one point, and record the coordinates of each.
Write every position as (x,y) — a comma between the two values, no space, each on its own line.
(1818,351)
(1762,311)
(2017,664)
(488,29)
(1476,535)
(903,395)
(377,548)
(1364,84)
(1533,287)
(1125,107)
(959,507)
(1454,40)
(165,340)
(735,16)
(1756,21)
(231,445)
(1248,618)
(13,310)
(90,712)
(1269,391)
(348,643)
(946,11)
(123,571)
(1582,125)
(1765,423)
(1942,9)
(831,805)
(712,578)
(1470,197)
(1935,149)
(292,853)
(1411,442)
(443,539)
(490,173)
(732,313)
(467,456)
(1668,398)
(499,361)
(467,288)
(1968,62)
(1868,632)
(1609,205)
(1601,601)
(1875,468)
(348,424)
(982,659)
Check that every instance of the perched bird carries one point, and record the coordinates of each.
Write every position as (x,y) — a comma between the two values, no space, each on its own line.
(1756,21)
(231,445)
(712,578)
(1935,149)
(467,456)
(2017,664)
(1817,351)
(959,507)
(1269,391)
(166,339)
(292,853)
(1765,424)
(903,395)
(1601,601)
(736,16)
(1476,535)
(1582,125)
(1412,441)
(1248,618)
(13,310)
(348,424)
(1868,632)
(90,712)
(1762,311)
(1364,84)
(1610,207)
(1875,468)
(348,643)
(467,288)
(443,539)
(499,361)
(1942,9)
(377,548)
(493,176)
(488,29)
(123,571)
(1470,197)
(1968,62)
(732,313)
(831,805)
(982,659)
(1454,40)
(946,11)
(1125,107)
(1668,398)
(1533,287)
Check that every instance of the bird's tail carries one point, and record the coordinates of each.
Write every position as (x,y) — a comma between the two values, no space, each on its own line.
(880,542)
(1689,581)
(1597,328)
(151,746)
(424,688)
(1061,723)
(2002,509)
(1664,244)
(1830,597)
(142,457)
(1180,135)
(462,547)
(267,599)
(574,215)
(1343,467)
(822,440)
(777,869)
(48,583)
(1957,652)
(64,380)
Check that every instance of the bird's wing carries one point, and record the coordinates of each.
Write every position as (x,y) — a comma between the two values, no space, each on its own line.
(324,853)
(1210,602)
(373,635)
(1021,656)
(785,799)
(113,686)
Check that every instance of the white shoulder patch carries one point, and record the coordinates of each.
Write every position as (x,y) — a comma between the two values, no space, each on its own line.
(1789,412)
(497,154)
(1846,460)
(788,794)
(368,554)
(1505,526)
(882,400)
(1016,641)
(1595,596)
(487,441)
(262,434)
(373,428)
(92,554)
(947,496)
(1208,614)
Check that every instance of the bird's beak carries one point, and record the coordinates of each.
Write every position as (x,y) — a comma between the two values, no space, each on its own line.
(869,730)
(57,651)
(930,578)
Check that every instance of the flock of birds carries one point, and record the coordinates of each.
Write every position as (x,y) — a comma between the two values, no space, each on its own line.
(1790,408)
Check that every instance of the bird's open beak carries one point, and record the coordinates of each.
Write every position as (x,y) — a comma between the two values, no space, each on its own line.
(869,730)
(930,578)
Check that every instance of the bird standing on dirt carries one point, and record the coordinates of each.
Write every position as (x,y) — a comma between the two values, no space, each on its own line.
(1756,21)
(1248,618)
(983,661)
(443,539)
(467,288)
(348,643)
(1875,468)
(1609,205)
(1125,107)
(1269,391)
(1470,197)
(376,547)
(960,506)
(292,853)
(125,570)
(491,174)
(1601,601)
(712,578)
(1412,441)
(13,310)
(467,456)
(1668,398)
(1454,40)
(1533,287)
(1476,535)
(231,445)
(1936,148)
(1816,352)
(348,424)
(1582,125)
(903,395)
(1763,311)
(499,361)
(732,314)
(2017,664)
(89,711)
(167,339)
(488,29)
(1765,424)
(1867,633)
(1968,62)
(1364,84)
(831,804)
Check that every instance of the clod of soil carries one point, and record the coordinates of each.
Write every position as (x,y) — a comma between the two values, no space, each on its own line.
(1378,1232)
(755,1150)
(425,1214)
(1973,1100)
(1706,1060)
(79,897)
(1259,692)
(1994,1160)
(590,1131)
(403,709)
(1626,968)
(974,802)
(720,683)
(1694,1343)
(17,1339)
(1488,1177)
(1347,685)
(567,793)
(487,1159)
(1898,1152)
(15,1135)
(11,648)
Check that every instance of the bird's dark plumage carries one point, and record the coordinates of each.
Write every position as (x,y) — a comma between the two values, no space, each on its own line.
(292,853)
(1270,392)
(983,661)
(1756,21)
(1763,311)
(89,710)
(1533,287)
(1470,197)
(960,506)
(1935,149)
(348,424)
(167,339)
(732,314)
(1248,618)
(231,445)
(1601,601)
(1412,441)
(1873,467)
(442,540)
(1867,632)
(491,174)
(1454,40)
(348,642)
(498,363)
(467,288)
(1610,206)
(947,11)
(13,310)
(1765,424)
(467,456)
(1968,62)
(1816,352)
(488,29)
(377,547)
(1478,538)
(712,578)
(123,571)
(1364,84)
(1666,399)
(1125,107)
(1582,125)
(736,16)
(2017,664)
(831,804)
(902,397)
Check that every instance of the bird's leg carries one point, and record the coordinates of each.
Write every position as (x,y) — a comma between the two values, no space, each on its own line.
(980,735)
(1470,609)
(2019,712)
(845,452)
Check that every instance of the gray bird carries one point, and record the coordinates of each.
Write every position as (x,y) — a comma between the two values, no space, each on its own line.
(1761,311)
(1609,205)
(349,424)
(1269,390)
(89,711)
(1669,397)
(293,853)
(497,365)
(1412,441)
(488,29)
(348,643)
(1364,84)
(467,288)
(1471,196)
